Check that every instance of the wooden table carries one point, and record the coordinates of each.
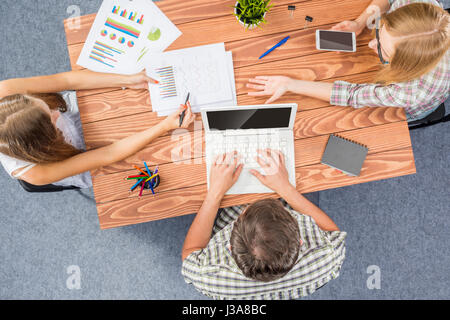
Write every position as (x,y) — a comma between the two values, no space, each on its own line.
(112,114)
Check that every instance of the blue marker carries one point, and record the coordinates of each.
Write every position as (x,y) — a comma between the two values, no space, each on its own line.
(151,181)
(146,167)
(151,186)
(137,183)
(156,171)
(274,47)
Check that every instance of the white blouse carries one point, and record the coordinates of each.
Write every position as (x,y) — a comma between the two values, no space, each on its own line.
(70,125)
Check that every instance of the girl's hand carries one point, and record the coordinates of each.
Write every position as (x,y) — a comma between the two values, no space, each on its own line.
(139,81)
(172,122)
(349,26)
(224,173)
(274,166)
(275,86)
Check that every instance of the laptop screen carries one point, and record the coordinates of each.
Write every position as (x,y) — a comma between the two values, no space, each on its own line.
(265,118)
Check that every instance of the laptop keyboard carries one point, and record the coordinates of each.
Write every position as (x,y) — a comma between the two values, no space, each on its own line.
(247,146)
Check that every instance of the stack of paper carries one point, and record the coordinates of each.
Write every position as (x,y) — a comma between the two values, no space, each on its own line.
(124,35)
(206,72)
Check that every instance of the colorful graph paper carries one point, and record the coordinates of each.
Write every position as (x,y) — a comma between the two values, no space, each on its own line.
(168,87)
(121,25)
(122,28)
(105,54)
(124,14)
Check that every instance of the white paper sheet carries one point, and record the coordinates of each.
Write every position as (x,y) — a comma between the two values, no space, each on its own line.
(124,35)
(225,103)
(206,72)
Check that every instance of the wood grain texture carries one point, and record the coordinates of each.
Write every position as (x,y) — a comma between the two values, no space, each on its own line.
(307,123)
(307,152)
(301,43)
(178,11)
(245,57)
(329,67)
(247,51)
(226,29)
(190,145)
(312,178)
(314,67)
(112,114)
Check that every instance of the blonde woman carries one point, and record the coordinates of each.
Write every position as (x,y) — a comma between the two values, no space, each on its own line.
(412,41)
(41,140)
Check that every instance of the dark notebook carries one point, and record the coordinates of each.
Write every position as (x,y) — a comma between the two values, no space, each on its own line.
(344,155)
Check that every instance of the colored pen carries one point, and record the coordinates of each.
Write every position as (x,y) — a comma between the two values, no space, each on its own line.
(157,174)
(151,181)
(184,111)
(141,170)
(141,176)
(146,167)
(154,172)
(142,188)
(151,188)
(137,183)
(274,47)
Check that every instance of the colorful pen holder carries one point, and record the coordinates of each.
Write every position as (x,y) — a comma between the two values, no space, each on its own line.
(156,181)
(141,179)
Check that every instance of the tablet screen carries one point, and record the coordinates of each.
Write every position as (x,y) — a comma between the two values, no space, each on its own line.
(332,40)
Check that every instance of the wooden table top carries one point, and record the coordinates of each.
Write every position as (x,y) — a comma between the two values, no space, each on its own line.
(112,114)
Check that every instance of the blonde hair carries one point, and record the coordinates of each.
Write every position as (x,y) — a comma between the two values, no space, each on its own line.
(423,32)
(27,132)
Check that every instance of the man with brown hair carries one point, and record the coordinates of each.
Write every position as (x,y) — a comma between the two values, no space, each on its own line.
(266,250)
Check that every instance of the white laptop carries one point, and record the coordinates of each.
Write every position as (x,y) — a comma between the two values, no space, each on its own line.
(246,129)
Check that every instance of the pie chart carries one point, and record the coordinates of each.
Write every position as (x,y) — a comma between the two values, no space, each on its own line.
(121,40)
(113,36)
(104,32)
(154,34)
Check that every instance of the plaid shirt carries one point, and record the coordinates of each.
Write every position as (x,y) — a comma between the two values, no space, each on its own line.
(419,97)
(214,272)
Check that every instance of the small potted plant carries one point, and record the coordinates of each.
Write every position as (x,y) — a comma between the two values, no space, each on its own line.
(251,13)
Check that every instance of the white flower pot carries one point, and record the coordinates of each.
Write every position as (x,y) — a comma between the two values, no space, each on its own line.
(245,25)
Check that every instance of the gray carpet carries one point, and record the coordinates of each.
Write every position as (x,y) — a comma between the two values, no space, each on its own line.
(400,225)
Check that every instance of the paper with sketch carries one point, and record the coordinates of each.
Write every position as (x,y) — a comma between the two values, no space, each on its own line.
(197,108)
(206,72)
(124,34)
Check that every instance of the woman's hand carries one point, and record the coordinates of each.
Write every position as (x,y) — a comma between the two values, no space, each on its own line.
(172,122)
(274,166)
(224,173)
(349,26)
(275,86)
(139,81)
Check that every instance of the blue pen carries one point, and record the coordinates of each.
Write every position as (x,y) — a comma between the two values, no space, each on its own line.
(274,47)
(146,167)
(156,171)
(151,181)
(151,186)
(137,183)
